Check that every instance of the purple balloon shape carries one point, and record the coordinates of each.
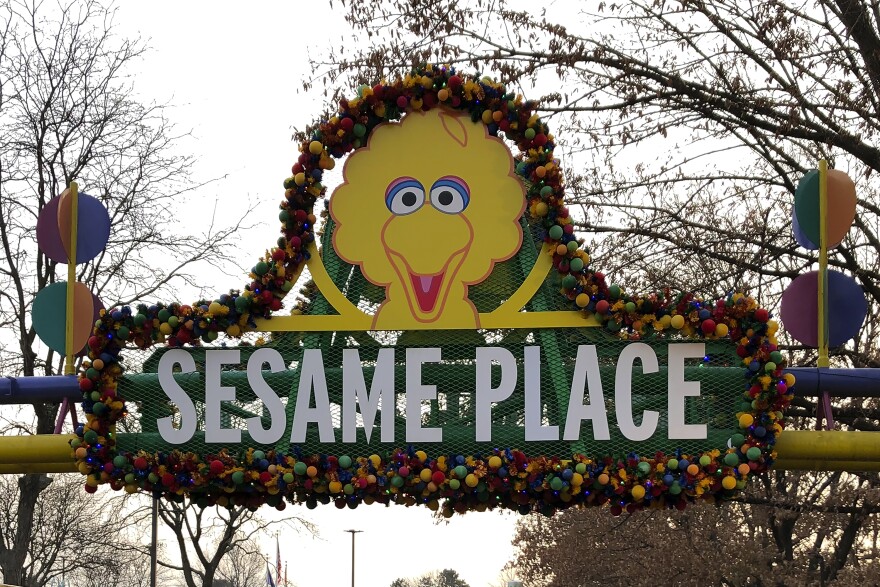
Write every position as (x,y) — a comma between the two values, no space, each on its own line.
(847,308)
(93,229)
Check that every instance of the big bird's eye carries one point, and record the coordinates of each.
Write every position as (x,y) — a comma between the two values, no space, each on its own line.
(404,196)
(450,194)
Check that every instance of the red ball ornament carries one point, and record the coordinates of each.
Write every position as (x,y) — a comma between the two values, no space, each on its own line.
(402,101)
(295,243)
(140,463)
(708,326)
(108,467)
(762,315)
(297,168)
(94,342)
(167,479)
(438,477)
(265,477)
(217,467)
(540,140)
(86,384)
(90,489)
(278,254)
(378,91)
(275,304)
(454,81)
(602,306)
(346,124)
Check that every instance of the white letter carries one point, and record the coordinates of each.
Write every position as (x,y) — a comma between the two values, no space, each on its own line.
(188,418)
(486,394)
(354,390)
(679,389)
(277,417)
(534,414)
(311,370)
(623,391)
(586,376)
(416,393)
(215,394)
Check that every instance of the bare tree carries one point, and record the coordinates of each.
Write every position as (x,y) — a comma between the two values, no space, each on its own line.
(74,534)
(685,127)
(243,566)
(206,536)
(68,112)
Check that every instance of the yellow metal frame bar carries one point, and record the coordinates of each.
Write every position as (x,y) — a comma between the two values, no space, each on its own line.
(796,450)
(822,332)
(71,277)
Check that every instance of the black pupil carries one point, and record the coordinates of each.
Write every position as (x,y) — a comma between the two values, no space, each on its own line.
(408,199)
(445,198)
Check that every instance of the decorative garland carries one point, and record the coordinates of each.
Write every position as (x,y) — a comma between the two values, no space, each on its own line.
(505,477)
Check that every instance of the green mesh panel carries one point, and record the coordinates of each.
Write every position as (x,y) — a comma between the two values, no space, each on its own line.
(720,375)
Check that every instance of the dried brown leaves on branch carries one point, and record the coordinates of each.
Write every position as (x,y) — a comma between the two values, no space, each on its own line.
(684,128)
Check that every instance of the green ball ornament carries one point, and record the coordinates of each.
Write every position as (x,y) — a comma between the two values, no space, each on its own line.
(555,232)
(546,192)
(569,282)
(119,461)
(241,303)
(672,464)
(288,477)
(75,443)
(630,307)
(776,357)
(95,396)
(130,478)
(261,268)
(173,321)
(92,373)
(454,484)
(770,367)
(258,454)
(644,468)
(164,315)
(359,130)
(238,477)
(153,478)
(90,436)
(529,134)
(348,489)
(737,439)
(576,264)
(99,408)
(614,292)
(212,335)
(556,484)
(460,471)
(397,481)
(572,246)
(139,319)
(754,453)
(675,488)
(731,460)
(345,461)
(300,468)
(705,460)
(122,333)
(284,216)
(580,468)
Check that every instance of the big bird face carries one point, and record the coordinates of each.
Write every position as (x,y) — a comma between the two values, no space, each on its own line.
(427,208)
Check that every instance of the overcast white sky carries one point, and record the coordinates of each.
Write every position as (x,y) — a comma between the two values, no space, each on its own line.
(233,74)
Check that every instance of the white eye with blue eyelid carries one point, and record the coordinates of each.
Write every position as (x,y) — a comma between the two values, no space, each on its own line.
(450,194)
(404,196)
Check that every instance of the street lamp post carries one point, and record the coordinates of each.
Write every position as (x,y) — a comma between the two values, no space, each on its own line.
(352,532)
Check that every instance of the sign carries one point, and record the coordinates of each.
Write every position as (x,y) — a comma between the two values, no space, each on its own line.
(452,345)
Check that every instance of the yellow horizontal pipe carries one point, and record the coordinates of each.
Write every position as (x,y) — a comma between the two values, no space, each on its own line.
(825,465)
(23,468)
(40,448)
(831,445)
(795,449)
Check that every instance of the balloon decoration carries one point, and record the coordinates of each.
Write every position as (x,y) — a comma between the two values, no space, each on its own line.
(56,241)
(846,303)
(506,477)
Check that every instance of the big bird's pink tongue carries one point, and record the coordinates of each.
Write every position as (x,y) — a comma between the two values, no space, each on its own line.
(427,288)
